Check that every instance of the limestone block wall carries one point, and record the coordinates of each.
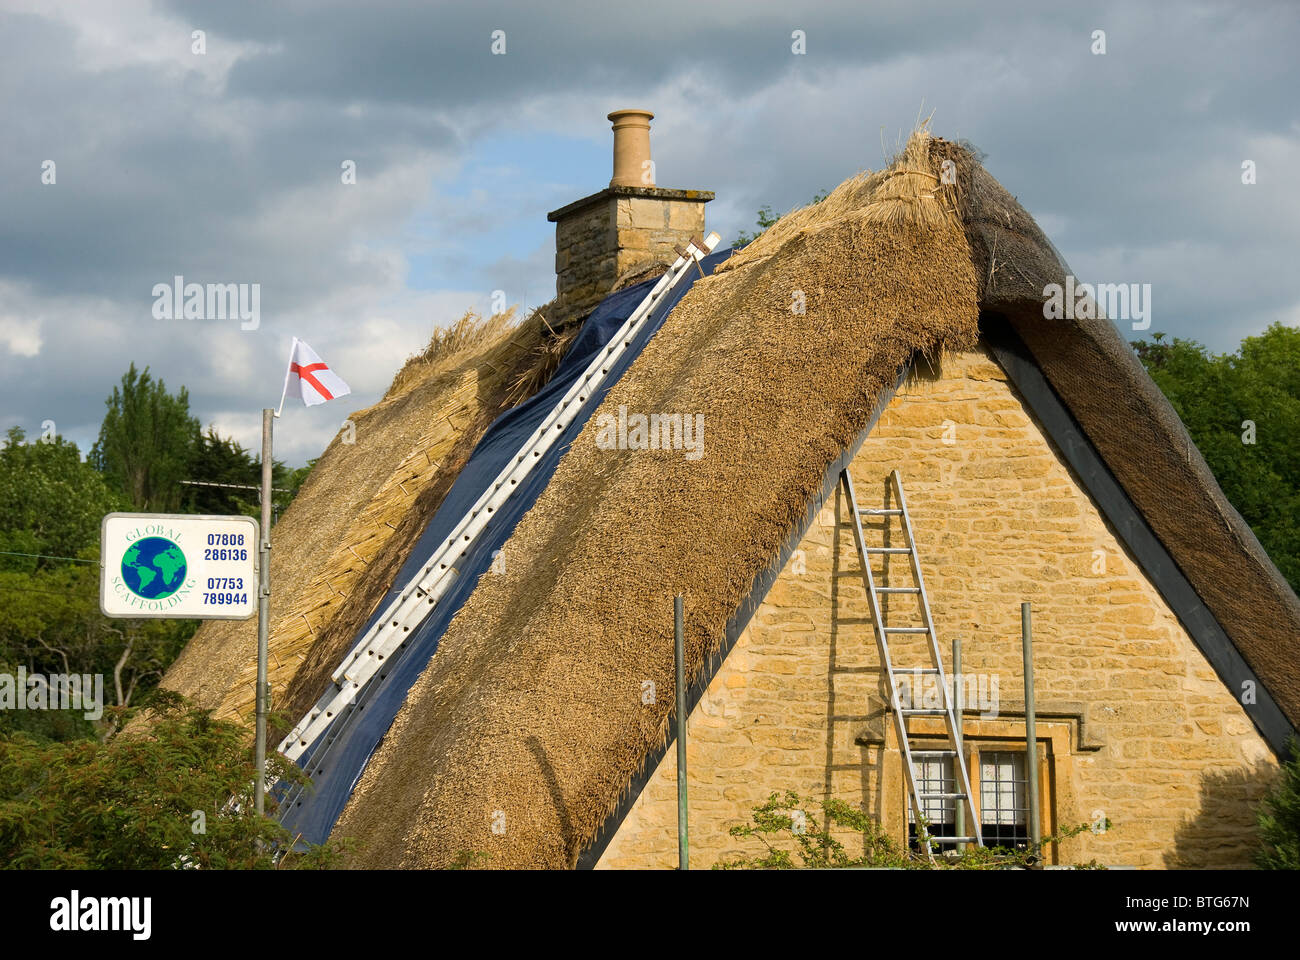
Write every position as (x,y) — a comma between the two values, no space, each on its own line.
(1134,726)
(586,257)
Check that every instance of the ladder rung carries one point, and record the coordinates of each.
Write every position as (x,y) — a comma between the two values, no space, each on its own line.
(898,589)
(952,839)
(923,712)
(917,671)
(942,796)
(888,550)
(934,753)
(877,512)
(907,629)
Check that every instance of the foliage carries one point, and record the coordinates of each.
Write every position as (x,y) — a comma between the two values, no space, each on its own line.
(51,507)
(50,623)
(218,459)
(1279,818)
(292,480)
(788,821)
(146,442)
(179,798)
(51,502)
(766,218)
(794,836)
(1216,396)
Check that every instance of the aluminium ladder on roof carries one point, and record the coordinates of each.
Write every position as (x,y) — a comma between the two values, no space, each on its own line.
(422,594)
(883,632)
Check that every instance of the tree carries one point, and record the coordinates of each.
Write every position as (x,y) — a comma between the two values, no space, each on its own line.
(51,503)
(1242,410)
(51,507)
(295,478)
(218,459)
(50,622)
(147,442)
(765,219)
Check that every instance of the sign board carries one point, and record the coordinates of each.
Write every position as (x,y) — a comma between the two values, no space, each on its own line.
(178,566)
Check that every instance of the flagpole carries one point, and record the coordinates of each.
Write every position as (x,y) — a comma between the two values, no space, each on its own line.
(264,609)
(287,370)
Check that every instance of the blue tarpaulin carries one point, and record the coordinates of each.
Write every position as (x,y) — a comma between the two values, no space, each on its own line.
(336,761)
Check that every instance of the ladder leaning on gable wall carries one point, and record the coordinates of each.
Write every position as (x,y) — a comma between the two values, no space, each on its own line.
(883,632)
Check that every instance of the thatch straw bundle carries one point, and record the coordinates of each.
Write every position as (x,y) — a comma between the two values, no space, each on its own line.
(533,705)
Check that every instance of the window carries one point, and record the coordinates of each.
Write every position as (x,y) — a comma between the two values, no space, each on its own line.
(934,775)
(997,772)
(1004,811)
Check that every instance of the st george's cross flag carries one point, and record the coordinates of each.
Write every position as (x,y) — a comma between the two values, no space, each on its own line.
(311,378)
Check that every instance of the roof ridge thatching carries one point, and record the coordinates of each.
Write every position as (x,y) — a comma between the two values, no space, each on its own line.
(449,345)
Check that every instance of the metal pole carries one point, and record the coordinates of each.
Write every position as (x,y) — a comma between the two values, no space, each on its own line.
(960,819)
(1031,737)
(263,612)
(679,652)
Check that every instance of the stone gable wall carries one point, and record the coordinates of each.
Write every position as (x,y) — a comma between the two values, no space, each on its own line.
(1134,725)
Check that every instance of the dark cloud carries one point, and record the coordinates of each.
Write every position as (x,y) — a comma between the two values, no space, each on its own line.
(225,168)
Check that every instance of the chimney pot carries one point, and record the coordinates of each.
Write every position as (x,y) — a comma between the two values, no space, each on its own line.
(625,231)
(632,165)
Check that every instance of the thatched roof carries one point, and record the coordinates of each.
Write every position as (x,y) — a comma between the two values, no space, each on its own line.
(1137,433)
(532,704)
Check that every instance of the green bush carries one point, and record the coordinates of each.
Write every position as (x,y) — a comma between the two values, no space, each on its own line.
(1279,819)
(786,824)
(179,796)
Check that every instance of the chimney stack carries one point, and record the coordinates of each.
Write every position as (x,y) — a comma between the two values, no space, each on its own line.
(628,229)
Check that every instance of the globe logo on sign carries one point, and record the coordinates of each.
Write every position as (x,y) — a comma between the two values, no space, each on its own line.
(153,568)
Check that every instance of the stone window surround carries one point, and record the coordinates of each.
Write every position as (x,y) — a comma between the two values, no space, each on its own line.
(1057,728)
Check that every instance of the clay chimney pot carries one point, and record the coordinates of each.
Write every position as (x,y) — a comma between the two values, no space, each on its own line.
(632,166)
